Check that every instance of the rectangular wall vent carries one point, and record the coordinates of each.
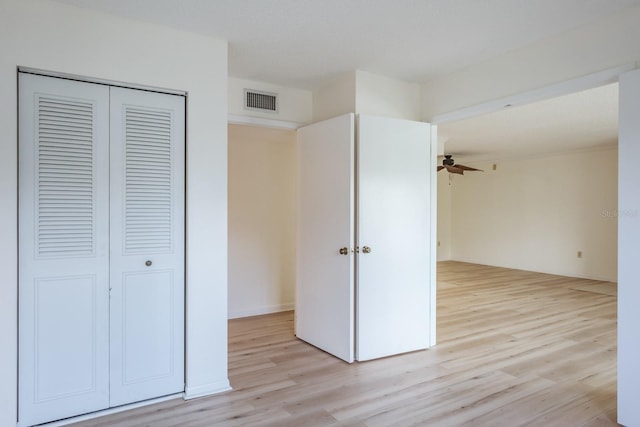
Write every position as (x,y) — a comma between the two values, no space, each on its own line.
(260,101)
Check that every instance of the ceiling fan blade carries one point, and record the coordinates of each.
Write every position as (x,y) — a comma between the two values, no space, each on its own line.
(467,168)
(454,169)
(440,168)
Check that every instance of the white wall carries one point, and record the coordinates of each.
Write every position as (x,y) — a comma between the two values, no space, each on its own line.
(52,36)
(444,216)
(629,245)
(362,92)
(262,220)
(335,98)
(588,49)
(536,214)
(382,96)
(294,105)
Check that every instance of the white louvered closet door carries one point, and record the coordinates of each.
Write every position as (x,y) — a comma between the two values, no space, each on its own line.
(101,247)
(64,248)
(147,245)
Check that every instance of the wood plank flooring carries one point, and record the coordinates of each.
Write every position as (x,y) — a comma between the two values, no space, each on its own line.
(514,348)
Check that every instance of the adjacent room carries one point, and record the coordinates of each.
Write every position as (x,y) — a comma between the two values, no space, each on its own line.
(546,197)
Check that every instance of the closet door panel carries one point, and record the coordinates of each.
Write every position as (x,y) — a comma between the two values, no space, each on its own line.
(63,248)
(147,245)
(146,300)
(393,283)
(325,292)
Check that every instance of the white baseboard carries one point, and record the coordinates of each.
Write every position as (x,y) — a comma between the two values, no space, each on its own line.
(573,274)
(261,310)
(207,389)
(110,411)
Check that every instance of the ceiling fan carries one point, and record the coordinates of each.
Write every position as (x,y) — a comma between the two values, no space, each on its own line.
(452,167)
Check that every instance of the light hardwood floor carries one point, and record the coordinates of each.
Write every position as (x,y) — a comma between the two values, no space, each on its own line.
(514,348)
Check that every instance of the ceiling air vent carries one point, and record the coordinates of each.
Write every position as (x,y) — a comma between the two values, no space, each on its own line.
(260,101)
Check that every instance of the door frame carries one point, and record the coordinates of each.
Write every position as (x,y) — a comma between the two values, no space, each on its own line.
(86,79)
(628,232)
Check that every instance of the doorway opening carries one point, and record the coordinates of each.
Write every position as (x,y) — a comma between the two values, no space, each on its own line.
(533,238)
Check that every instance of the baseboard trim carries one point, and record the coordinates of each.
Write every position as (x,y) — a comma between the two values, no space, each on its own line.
(261,310)
(207,389)
(109,411)
(575,275)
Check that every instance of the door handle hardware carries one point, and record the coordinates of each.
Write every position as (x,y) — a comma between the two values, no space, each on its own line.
(148,263)
(366,250)
(344,251)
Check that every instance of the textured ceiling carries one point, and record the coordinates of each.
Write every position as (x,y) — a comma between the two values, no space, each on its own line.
(303,43)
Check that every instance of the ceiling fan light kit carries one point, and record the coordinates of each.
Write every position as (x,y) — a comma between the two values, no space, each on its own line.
(452,167)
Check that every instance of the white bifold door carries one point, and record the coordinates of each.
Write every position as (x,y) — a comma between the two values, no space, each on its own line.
(364,263)
(101,247)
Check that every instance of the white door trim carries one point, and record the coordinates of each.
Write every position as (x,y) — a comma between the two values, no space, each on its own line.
(68,76)
(567,87)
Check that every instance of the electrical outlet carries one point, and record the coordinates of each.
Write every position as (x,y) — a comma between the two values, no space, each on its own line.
(579,254)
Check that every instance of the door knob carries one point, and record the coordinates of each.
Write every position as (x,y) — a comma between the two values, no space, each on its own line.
(366,250)
(344,251)
(148,263)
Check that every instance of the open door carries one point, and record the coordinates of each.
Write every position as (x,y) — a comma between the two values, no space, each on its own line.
(394,237)
(325,285)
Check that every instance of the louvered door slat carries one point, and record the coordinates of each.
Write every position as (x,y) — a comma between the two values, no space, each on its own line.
(148,165)
(65,177)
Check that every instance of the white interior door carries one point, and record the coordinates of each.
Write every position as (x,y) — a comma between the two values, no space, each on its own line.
(63,248)
(147,245)
(325,291)
(394,209)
